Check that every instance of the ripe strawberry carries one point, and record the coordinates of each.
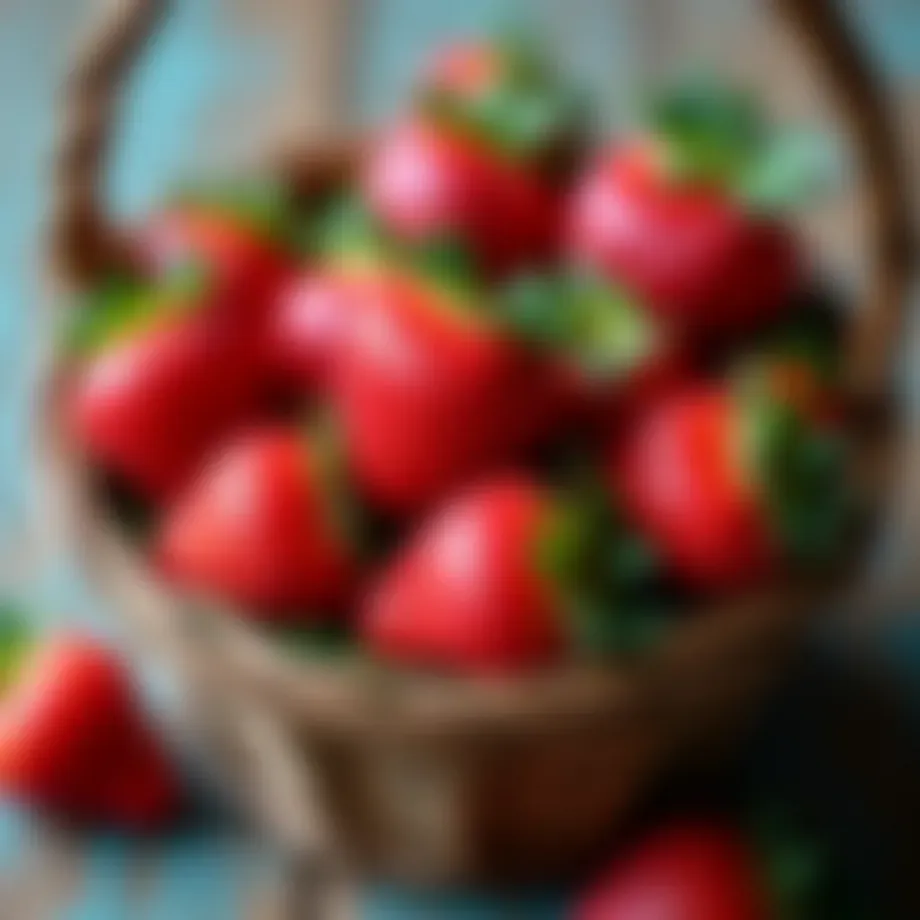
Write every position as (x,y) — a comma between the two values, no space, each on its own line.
(306,332)
(311,317)
(236,235)
(732,486)
(686,871)
(158,382)
(508,576)
(432,391)
(264,526)
(423,181)
(73,741)
(467,593)
(682,218)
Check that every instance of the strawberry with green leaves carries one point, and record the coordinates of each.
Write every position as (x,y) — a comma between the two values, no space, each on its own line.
(432,388)
(268,526)
(158,380)
(508,576)
(476,158)
(239,235)
(733,484)
(311,317)
(690,215)
(73,740)
(708,868)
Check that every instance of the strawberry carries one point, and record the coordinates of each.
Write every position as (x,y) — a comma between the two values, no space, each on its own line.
(307,328)
(157,383)
(423,181)
(432,390)
(684,871)
(73,740)
(467,592)
(264,527)
(681,216)
(731,485)
(478,158)
(508,575)
(237,235)
(311,316)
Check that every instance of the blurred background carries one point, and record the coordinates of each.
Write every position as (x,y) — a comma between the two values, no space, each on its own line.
(226,78)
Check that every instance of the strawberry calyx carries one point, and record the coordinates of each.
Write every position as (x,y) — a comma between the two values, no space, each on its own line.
(798,467)
(348,236)
(711,135)
(326,454)
(16,643)
(346,233)
(263,206)
(794,864)
(607,578)
(808,335)
(122,306)
(517,106)
(596,325)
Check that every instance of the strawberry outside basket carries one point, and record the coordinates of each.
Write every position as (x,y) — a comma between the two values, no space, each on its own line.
(438,779)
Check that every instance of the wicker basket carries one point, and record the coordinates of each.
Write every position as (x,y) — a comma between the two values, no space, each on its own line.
(441,779)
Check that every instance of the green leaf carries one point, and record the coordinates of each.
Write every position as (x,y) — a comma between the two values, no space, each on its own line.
(596,324)
(710,131)
(562,546)
(791,171)
(449,262)
(264,204)
(801,470)
(610,335)
(116,304)
(346,227)
(16,640)
(534,306)
(530,111)
(796,866)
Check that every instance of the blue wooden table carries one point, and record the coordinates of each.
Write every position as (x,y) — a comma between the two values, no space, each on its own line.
(215,59)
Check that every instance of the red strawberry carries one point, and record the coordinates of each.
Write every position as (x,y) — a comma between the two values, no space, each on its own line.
(689,250)
(432,392)
(306,332)
(467,593)
(261,527)
(158,383)
(234,235)
(689,871)
(728,487)
(73,740)
(424,181)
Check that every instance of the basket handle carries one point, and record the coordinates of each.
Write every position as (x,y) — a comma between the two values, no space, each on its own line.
(860,95)
(83,242)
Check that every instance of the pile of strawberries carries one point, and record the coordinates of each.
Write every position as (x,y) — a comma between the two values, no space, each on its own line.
(510,398)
